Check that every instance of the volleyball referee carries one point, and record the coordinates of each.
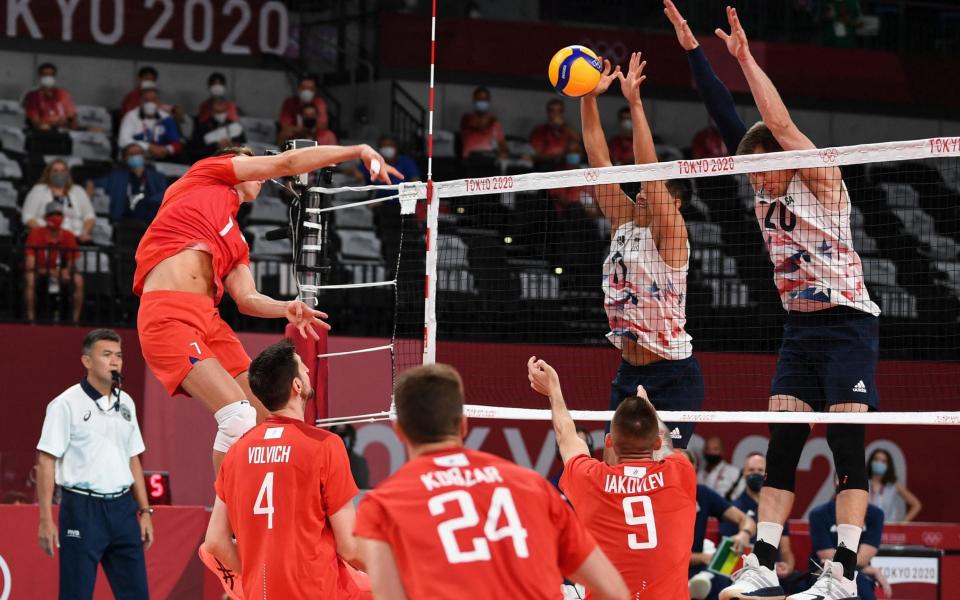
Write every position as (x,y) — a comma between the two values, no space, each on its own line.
(90,445)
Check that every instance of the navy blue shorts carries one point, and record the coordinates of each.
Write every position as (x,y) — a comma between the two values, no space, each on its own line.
(829,357)
(670,384)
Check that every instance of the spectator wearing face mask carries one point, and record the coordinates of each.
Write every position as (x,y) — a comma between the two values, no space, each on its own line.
(51,253)
(716,473)
(583,196)
(359,467)
(390,150)
(310,128)
(621,143)
(898,504)
(754,472)
(550,140)
(216,132)
(48,106)
(135,188)
(56,185)
(291,113)
(217,85)
(146,80)
(480,130)
(153,129)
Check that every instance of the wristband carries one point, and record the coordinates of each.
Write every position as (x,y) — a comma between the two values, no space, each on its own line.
(147,510)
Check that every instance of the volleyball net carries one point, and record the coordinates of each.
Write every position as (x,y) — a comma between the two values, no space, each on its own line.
(576,267)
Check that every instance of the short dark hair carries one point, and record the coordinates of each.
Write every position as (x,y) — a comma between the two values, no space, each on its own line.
(308,77)
(347,433)
(554,102)
(47,65)
(216,76)
(635,426)
(481,90)
(272,373)
(623,111)
(429,403)
(98,335)
(148,70)
(679,189)
(236,151)
(890,477)
(758,135)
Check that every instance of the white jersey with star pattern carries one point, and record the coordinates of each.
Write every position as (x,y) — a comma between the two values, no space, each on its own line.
(645,298)
(814,263)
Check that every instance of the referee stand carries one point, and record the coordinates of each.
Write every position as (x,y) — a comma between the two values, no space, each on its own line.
(90,447)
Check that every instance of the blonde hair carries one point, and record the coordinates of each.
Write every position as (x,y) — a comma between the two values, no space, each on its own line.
(45,176)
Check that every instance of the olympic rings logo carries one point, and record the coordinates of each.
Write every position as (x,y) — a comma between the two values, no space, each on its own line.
(591,175)
(616,52)
(932,538)
(829,155)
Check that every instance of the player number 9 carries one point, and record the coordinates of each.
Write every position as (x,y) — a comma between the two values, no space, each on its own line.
(645,519)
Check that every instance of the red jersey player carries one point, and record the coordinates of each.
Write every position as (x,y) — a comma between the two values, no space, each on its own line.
(285,490)
(192,252)
(641,510)
(458,523)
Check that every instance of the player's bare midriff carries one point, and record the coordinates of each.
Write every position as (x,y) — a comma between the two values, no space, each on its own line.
(636,355)
(186,271)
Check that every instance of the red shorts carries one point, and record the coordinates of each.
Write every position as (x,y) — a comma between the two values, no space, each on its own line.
(178,330)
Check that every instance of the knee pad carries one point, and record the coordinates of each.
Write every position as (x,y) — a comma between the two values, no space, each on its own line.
(783,454)
(847,444)
(233,420)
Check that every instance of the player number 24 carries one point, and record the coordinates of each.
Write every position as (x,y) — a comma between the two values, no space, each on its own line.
(501,506)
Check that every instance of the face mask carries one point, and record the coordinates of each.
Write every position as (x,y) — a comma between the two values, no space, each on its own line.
(54,221)
(388,152)
(48,81)
(58,179)
(136,161)
(712,459)
(217,90)
(148,84)
(306,96)
(220,117)
(481,106)
(626,125)
(150,108)
(754,481)
(878,468)
(573,158)
(310,122)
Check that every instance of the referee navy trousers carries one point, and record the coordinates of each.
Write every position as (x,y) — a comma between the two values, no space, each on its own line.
(97,530)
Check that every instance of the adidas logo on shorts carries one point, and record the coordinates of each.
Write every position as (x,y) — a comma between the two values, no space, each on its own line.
(675,434)
(860,387)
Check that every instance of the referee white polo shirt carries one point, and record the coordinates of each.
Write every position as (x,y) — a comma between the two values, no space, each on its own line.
(93,438)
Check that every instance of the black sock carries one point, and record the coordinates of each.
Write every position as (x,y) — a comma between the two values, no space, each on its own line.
(846,557)
(766,553)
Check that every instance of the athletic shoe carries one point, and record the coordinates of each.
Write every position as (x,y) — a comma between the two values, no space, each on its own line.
(753,581)
(700,584)
(830,585)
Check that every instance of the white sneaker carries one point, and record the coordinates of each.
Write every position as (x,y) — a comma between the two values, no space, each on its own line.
(830,585)
(700,584)
(753,581)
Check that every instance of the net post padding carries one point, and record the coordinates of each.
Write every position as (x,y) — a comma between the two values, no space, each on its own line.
(707,167)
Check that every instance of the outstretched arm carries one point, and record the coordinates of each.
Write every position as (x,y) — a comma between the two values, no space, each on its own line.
(824,182)
(243,289)
(666,224)
(614,204)
(543,378)
(304,160)
(716,96)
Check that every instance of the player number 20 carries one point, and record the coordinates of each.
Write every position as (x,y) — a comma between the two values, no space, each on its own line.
(501,506)
(645,519)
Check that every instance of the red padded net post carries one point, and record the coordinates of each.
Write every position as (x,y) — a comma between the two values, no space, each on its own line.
(309,349)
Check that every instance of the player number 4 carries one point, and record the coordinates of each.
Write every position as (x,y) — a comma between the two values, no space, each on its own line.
(501,506)
(264,503)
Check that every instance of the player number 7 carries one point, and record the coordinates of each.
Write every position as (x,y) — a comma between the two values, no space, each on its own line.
(501,505)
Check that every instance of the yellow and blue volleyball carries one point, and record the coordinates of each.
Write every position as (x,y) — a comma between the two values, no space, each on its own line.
(575,71)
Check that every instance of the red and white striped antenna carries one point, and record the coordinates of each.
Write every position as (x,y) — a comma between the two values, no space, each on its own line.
(433,212)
